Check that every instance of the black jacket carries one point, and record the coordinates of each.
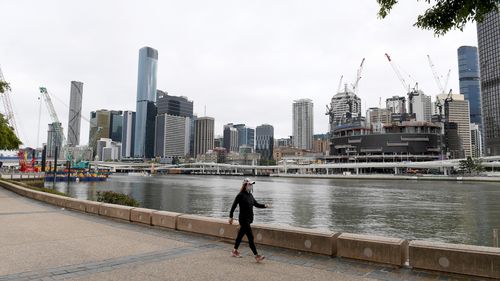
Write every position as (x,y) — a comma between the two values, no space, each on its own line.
(246,202)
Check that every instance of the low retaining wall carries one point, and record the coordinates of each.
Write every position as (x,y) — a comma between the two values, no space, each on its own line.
(453,258)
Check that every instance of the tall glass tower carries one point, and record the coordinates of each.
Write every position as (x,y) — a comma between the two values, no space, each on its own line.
(488,37)
(146,97)
(468,73)
(303,123)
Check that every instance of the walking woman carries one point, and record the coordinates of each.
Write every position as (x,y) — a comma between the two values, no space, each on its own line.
(246,202)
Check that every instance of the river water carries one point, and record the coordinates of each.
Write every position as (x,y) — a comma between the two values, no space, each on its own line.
(454,212)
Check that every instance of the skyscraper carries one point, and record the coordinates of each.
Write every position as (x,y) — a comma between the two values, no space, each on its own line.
(457,111)
(343,107)
(396,104)
(116,125)
(246,136)
(146,98)
(264,141)
(421,106)
(128,131)
(488,37)
(303,123)
(54,139)
(468,73)
(203,135)
(75,113)
(172,136)
(230,138)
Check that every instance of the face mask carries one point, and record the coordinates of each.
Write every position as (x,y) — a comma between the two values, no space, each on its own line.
(249,188)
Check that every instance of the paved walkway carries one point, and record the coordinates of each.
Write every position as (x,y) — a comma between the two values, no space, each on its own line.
(43,242)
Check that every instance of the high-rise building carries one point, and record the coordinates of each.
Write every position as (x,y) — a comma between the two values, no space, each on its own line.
(396,104)
(476,140)
(110,123)
(54,139)
(378,115)
(488,37)
(203,135)
(173,105)
(230,138)
(421,106)
(172,136)
(264,141)
(343,107)
(75,113)
(116,125)
(146,98)
(468,73)
(128,131)
(456,110)
(303,123)
(246,136)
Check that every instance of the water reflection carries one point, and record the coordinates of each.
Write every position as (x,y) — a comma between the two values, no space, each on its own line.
(440,211)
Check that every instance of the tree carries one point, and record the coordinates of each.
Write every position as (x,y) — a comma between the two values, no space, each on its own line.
(446,14)
(8,140)
(4,86)
(471,165)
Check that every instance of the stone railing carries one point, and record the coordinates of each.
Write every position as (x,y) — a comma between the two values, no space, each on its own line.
(452,258)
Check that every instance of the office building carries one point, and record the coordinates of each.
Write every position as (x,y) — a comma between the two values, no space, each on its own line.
(54,139)
(456,110)
(110,123)
(128,130)
(468,73)
(172,136)
(421,106)
(108,150)
(264,141)
(476,140)
(488,34)
(246,136)
(344,106)
(230,138)
(116,125)
(145,108)
(75,113)
(203,135)
(173,105)
(303,123)
(396,104)
(375,115)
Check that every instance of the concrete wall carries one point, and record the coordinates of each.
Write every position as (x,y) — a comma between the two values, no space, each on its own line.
(453,258)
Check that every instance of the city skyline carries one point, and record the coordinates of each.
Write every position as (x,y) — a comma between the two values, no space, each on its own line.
(267,63)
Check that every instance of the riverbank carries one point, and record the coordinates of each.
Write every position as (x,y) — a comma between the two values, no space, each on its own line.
(392,177)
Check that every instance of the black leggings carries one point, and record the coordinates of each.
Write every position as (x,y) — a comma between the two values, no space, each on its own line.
(245,229)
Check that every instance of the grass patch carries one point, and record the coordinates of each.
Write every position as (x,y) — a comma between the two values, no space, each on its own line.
(41,189)
(116,198)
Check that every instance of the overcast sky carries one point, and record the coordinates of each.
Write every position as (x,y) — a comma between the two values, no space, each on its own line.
(246,61)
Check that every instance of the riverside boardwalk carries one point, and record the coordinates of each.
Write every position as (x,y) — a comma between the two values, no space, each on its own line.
(39,241)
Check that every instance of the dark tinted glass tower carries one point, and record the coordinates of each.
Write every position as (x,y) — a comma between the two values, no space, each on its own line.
(146,98)
(264,141)
(468,73)
(488,37)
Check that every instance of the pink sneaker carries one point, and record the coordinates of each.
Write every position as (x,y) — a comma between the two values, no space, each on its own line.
(235,254)
(259,258)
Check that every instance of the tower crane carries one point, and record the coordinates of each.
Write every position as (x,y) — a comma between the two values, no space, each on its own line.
(410,92)
(358,77)
(340,84)
(9,112)
(442,87)
(53,116)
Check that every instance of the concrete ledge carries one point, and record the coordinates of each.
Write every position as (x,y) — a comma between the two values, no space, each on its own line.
(55,199)
(115,211)
(373,248)
(302,239)
(92,207)
(75,204)
(463,259)
(206,225)
(165,219)
(141,215)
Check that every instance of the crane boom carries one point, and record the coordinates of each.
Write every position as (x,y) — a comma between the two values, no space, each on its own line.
(340,84)
(7,104)
(398,74)
(53,114)
(358,77)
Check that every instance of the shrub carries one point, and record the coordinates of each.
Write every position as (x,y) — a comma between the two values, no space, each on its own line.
(116,198)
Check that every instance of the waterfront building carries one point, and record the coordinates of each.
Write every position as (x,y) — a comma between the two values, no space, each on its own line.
(420,105)
(264,141)
(246,135)
(488,34)
(456,110)
(303,128)
(128,131)
(110,122)
(396,104)
(203,135)
(294,155)
(172,136)
(476,140)
(108,150)
(468,73)
(145,107)
(230,138)
(54,139)
(116,125)
(343,107)
(405,141)
(75,113)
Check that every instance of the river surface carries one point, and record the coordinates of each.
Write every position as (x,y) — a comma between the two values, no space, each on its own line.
(454,212)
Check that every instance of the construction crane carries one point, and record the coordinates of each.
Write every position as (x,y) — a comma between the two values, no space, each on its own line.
(7,104)
(53,117)
(441,87)
(358,77)
(410,92)
(340,84)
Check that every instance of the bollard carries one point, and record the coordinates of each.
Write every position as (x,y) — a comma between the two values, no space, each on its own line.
(495,238)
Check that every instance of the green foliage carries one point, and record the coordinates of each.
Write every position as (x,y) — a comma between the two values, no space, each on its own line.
(445,15)
(116,198)
(470,165)
(270,162)
(49,190)
(8,139)
(4,86)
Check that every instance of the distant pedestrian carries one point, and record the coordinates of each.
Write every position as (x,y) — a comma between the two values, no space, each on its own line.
(246,202)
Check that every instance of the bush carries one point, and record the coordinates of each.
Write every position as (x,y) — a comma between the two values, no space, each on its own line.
(116,198)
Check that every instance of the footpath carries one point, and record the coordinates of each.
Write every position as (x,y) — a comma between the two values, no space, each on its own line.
(43,242)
